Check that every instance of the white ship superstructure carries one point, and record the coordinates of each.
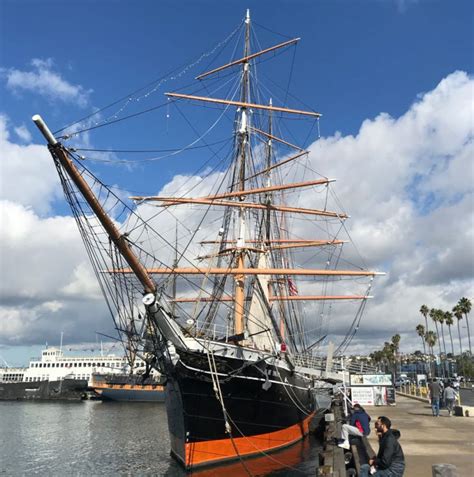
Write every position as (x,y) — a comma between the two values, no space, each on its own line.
(54,366)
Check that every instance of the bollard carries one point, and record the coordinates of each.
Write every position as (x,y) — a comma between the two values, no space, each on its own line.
(444,470)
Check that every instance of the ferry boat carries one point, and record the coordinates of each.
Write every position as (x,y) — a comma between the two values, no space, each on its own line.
(55,366)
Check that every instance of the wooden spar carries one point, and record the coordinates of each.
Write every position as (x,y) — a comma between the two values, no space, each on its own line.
(260,190)
(277,139)
(318,243)
(249,271)
(318,298)
(248,58)
(321,242)
(278,164)
(241,104)
(168,201)
(229,251)
(279,298)
(115,236)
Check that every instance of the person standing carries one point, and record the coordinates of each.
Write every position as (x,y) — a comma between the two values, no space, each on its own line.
(450,395)
(390,460)
(359,426)
(435,392)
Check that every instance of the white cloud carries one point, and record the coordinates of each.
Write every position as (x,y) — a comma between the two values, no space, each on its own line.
(46,285)
(28,176)
(407,183)
(43,80)
(23,133)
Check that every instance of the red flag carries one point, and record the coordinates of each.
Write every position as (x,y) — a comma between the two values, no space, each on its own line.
(292,290)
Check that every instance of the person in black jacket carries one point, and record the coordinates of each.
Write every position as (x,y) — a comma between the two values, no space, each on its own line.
(390,461)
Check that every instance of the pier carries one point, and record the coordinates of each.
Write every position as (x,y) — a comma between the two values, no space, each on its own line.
(428,440)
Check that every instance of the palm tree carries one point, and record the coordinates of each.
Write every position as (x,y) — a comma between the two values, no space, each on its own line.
(448,319)
(431,341)
(434,315)
(420,329)
(424,310)
(441,316)
(396,345)
(458,314)
(466,306)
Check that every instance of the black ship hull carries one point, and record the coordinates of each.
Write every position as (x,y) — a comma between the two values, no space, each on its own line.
(66,389)
(268,408)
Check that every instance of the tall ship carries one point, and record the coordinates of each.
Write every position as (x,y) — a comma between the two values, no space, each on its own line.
(236,328)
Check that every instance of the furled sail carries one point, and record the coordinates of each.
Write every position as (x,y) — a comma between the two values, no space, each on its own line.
(259,324)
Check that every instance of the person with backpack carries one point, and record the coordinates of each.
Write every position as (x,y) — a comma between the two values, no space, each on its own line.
(359,426)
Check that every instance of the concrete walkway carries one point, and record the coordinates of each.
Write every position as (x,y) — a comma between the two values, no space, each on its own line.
(428,440)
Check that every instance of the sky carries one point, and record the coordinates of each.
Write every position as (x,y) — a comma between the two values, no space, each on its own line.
(393,80)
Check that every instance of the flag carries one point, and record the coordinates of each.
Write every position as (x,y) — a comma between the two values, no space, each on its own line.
(292,290)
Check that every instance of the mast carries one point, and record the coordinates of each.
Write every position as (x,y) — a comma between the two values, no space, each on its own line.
(268,164)
(239,325)
(175,265)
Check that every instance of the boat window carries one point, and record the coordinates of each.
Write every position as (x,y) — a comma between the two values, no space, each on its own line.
(79,364)
(49,365)
(75,365)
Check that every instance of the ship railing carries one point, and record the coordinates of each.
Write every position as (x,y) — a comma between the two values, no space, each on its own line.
(217,331)
(319,362)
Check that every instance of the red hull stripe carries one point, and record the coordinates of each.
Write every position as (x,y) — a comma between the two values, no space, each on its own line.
(210,452)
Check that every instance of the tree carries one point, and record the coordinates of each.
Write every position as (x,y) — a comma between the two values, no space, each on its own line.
(448,319)
(431,341)
(396,342)
(434,316)
(440,315)
(458,314)
(440,320)
(420,329)
(466,363)
(424,311)
(465,306)
(377,357)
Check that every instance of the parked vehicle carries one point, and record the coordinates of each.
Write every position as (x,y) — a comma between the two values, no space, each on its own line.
(401,381)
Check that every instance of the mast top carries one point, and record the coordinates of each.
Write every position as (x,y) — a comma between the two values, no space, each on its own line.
(247,16)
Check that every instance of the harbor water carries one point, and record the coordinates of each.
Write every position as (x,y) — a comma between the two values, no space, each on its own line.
(111,438)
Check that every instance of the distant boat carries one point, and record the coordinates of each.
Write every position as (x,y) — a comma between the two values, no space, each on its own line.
(64,389)
(128,387)
(55,366)
(234,342)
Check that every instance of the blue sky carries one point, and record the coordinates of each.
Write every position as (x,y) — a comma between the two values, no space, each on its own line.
(356,60)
